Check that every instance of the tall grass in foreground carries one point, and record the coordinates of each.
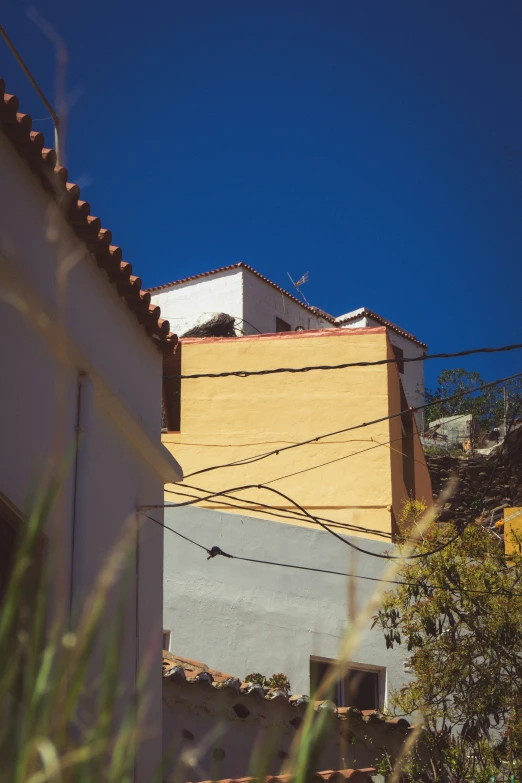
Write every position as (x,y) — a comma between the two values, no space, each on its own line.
(60,699)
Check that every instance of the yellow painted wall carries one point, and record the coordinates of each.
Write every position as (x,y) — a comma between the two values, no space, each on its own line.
(228,419)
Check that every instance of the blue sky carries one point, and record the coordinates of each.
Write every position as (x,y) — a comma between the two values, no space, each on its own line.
(375,144)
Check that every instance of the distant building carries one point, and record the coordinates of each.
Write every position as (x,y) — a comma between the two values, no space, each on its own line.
(450,431)
(259,306)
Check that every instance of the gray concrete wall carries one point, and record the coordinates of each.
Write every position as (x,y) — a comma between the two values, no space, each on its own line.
(242,617)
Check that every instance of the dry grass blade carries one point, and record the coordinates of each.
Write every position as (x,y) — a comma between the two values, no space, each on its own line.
(308,739)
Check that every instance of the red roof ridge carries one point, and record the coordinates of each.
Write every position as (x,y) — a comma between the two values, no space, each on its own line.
(98,241)
(242,265)
(362,311)
(300,335)
(327,776)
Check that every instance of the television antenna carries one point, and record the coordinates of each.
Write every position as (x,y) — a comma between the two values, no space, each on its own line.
(297,285)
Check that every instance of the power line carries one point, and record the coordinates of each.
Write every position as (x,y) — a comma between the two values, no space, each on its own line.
(264,455)
(215,551)
(315,519)
(336,535)
(346,365)
(293,516)
(339,459)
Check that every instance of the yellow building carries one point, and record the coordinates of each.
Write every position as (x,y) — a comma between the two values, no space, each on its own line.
(356,478)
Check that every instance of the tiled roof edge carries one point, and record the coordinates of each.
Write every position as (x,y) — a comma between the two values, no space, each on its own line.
(327,776)
(364,311)
(42,161)
(242,265)
(176,673)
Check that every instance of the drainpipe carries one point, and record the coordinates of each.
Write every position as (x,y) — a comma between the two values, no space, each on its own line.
(82,438)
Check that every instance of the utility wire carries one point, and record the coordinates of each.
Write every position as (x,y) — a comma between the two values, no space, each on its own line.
(264,455)
(315,519)
(293,516)
(215,551)
(248,373)
(339,459)
(336,535)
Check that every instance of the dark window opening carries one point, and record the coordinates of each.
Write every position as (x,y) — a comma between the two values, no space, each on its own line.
(9,529)
(407,446)
(399,355)
(282,326)
(171,419)
(359,688)
(408,459)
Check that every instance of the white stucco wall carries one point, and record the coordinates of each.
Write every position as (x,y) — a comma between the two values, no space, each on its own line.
(189,304)
(413,376)
(120,461)
(260,618)
(263,304)
(239,293)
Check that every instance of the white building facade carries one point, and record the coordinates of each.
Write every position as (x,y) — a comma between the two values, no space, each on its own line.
(257,304)
(81,396)
(260,306)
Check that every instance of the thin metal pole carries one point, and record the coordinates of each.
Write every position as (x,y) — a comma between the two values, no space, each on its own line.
(25,69)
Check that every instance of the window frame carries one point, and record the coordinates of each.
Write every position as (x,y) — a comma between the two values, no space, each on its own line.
(366,668)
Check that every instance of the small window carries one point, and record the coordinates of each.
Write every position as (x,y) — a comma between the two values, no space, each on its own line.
(399,355)
(282,326)
(166,640)
(408,446)
(361,687)
(172,391)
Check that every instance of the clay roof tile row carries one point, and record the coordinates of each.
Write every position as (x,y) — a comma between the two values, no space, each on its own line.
(328,776)
(88,228)
(183,671)
(364,312)
(240,265)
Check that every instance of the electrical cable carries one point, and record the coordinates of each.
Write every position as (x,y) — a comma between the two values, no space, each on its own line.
(215,551)
(266,454)
(292,516)
(346,365)
(339,459)
(345,541)
(296,516)
(336,535)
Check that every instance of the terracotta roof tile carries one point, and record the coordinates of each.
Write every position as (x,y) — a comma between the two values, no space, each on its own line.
(328,776)
(364,312)
(187,672)
(98,240)
(315,310)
